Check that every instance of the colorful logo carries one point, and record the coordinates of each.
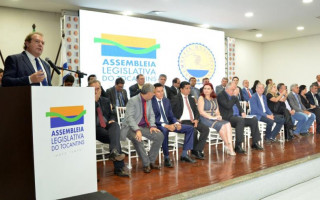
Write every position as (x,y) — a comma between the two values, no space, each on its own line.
(66,116)
(127,46)
(196,60)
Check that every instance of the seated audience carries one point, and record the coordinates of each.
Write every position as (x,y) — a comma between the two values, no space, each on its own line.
(246,91)
(256,82)
(268,81)
(107,130)
(140,121)
(175,87)
(204,81)
(210,116)
(312,107)
(235,79)
(185,110)
(232,111)
(166,90)
(166,122)
(259,107)
(318,83)
(306,117)
(220,88)
(136,88)
(117,95)
(68,80)
(93,77)
(195,92)
(1,75)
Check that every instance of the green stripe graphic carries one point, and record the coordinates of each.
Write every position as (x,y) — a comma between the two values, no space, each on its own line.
(76,118)
(127,49)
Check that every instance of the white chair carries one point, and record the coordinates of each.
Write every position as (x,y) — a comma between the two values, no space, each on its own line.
(214,139)
(243,104)
(173,145)
(101,151)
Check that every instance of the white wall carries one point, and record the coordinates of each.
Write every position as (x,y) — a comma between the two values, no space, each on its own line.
(248,61)
(16,24)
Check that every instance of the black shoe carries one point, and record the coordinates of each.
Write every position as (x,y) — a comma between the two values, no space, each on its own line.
(239,149)
(304,134)
(121,172)
(146,169)
(256,146)
(116,156)
(201,153)
(187,159)
(197,154)
(154,166)
(168,163)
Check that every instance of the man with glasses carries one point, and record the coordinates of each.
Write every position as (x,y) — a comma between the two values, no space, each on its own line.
(27,68)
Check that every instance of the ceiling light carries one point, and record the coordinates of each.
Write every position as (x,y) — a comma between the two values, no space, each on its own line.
(258,35)
(205,25)
(127,13)
(249,14)
(307,1)
(300,28)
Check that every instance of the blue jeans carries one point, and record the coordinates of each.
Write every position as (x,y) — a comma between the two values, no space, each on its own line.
(279,122)
(304,122)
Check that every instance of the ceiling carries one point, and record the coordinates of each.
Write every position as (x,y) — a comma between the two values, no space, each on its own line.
(275,19)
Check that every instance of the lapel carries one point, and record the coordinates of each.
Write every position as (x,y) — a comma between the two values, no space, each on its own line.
(113,93)
(46,69)
(181,101)
(28,63)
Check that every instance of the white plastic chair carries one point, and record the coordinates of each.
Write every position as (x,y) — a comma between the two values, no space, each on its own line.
(214,139)
(102,150)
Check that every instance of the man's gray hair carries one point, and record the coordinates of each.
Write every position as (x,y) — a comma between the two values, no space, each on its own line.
(163,75)
(229,85)
(312,85)
(293,86)
(224,78)
(259,85)
(148,87)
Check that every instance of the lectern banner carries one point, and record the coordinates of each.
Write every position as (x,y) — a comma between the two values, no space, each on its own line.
(63,121)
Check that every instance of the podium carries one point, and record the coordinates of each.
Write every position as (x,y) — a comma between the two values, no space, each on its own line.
(47,142)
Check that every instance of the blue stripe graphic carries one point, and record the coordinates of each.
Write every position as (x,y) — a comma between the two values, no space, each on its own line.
(58,122)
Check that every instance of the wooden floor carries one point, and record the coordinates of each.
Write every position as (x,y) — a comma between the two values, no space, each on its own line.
(216,168)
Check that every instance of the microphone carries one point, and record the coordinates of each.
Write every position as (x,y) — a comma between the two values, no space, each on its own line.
(53,66)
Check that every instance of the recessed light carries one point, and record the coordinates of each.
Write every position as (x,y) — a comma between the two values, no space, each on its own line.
(300,28)
(127,13)
(249,14)
(258,35)
(307,1)
(205,25)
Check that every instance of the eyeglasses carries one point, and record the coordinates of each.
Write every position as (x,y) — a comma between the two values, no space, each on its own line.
(38,41)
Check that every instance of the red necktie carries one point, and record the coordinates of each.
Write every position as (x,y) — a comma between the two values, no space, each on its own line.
(189,109)
(249,93)
(102,122)
(145,113)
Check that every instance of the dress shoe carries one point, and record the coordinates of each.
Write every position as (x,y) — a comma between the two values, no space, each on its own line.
(239,149)
(274,140)
(229,151)
(116,156)
(304,134)
(168,163)
(146,169)
(187,159)
(297,135)
(256,146)
(154,166)
(267,141)
(121,172)
(197,154)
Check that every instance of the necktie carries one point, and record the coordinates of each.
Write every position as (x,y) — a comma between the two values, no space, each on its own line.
(44,82)
(120,99)
(165,120)
(189,108)
(297,100)
(145,113)
(249,93)
(102,122)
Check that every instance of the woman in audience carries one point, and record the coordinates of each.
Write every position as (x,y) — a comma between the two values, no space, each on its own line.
(210,116)
(277,106)
(254,86)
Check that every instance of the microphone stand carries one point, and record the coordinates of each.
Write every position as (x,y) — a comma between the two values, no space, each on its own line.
(80,74)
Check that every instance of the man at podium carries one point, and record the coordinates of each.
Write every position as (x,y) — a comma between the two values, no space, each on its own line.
(27,68)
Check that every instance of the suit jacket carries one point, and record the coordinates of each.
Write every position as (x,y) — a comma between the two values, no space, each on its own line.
(294,103)
(195,92)
(311,99)
(134,114)
(177,106)
(240,94)
(245,94)
(134,90)
(219,88)
(168,91)
(316,83)
(173,91)
(167,110)
(111,94)
(106,109)
(18,68)
(256,107)
(226,105)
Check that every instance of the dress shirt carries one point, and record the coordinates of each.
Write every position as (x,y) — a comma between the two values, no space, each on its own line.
(34,65)
(262,103)
(185,114)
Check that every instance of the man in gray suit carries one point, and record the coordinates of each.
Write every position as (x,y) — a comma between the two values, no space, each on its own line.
(304,117)
(140,121)
(223,85)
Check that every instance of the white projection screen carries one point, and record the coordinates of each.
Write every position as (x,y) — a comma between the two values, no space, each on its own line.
(113,46)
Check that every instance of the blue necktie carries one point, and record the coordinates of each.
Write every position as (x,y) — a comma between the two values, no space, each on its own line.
(298,100)
(44,82)
(162,114)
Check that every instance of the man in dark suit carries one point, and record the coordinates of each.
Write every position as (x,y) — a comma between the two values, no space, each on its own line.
(231,111)
(175,86)
(167,91)
(27,68)
(92,77)
(166,122)
(235,79)
(220,88)
(107,130)
(318,83)
(312,95)
(117,95)
(136,88)
(185,110)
